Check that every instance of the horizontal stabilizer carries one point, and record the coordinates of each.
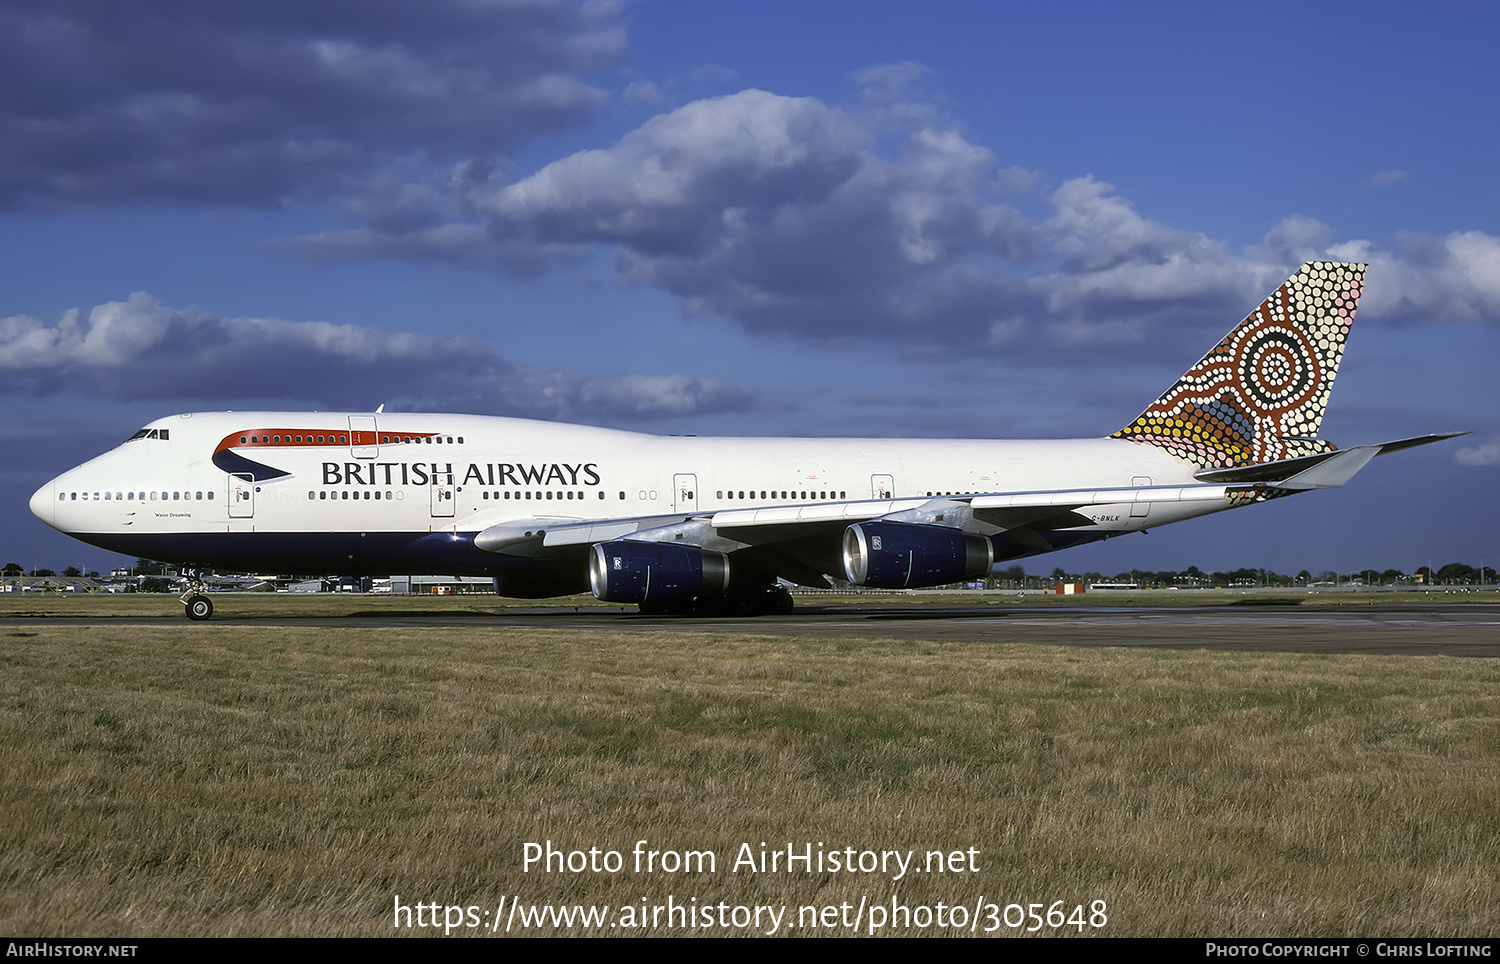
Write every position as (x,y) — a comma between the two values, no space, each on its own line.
(1333,471)
(1411,443)
(1266,471)
(1325,470)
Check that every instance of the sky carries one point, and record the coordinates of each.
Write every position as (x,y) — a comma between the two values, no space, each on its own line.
(884,219)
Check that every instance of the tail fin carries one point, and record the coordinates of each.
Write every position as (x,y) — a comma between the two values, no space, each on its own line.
(1260,395)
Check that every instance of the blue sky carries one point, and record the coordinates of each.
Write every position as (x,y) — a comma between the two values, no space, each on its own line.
(963,219)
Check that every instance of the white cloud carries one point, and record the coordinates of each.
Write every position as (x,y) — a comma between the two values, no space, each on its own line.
(669,182)
(788,215)
(255,104)
(642,93)
(139,349)
(1386,178)
(1485,453)
(1428,279)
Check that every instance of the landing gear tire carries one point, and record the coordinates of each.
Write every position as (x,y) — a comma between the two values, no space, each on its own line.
(199,608)
(779,602)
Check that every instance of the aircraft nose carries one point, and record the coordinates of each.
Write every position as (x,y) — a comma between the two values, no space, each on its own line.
(44,502)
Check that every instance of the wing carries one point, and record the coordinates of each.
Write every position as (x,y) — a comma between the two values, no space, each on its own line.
(909,542)
(804,544)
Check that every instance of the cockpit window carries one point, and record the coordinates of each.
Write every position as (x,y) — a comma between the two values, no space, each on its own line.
(161,433)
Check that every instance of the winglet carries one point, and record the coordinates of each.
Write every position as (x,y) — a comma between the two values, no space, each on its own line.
(1260,395)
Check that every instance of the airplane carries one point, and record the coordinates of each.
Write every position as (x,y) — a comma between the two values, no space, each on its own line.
(681,524)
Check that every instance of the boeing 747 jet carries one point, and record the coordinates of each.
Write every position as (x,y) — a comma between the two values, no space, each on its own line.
(715,525)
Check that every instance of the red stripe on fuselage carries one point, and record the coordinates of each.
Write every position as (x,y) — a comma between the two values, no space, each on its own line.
(274,438)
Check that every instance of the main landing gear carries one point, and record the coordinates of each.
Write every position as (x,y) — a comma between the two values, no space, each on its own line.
(197,606)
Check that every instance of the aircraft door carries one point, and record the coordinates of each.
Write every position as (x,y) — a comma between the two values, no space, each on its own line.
(685,489)
(882,487)
(1139,510)
(442,497)
(241,496)
(363,442)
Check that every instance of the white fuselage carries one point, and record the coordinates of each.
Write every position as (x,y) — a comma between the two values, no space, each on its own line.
(464,473)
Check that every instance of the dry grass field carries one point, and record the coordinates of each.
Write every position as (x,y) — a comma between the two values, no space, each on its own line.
(202,779)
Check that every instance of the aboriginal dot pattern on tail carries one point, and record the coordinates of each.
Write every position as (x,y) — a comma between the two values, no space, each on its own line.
(1260,395)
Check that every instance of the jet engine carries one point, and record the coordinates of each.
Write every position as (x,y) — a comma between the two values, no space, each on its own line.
(640,572)
(904,555)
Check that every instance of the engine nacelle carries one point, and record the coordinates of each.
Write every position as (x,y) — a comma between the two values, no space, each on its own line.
(637,572)
(904,555)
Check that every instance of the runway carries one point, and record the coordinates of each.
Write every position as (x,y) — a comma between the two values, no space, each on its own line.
(1447,631)
(1471,630)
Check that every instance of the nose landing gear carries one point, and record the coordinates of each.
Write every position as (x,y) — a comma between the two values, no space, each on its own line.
(197,606)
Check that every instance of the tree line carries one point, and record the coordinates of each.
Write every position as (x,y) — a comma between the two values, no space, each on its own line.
(1453,574)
